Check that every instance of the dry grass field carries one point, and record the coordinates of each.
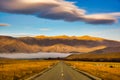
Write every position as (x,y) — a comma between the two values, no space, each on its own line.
(104,70)
(21,69)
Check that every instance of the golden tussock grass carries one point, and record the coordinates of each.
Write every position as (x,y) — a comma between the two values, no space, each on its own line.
(104,70)
(21,69)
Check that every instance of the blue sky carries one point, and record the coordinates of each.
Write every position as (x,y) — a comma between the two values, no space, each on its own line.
(23,25)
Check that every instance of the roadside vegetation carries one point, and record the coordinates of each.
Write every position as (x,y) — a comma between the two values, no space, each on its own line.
(21,69)
(103,70)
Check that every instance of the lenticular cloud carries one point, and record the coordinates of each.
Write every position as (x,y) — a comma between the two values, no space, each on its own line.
(55,10)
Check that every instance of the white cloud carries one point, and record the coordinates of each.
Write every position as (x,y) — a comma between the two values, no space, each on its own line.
(44,29)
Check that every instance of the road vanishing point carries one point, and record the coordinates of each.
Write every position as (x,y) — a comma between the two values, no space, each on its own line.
(62,71)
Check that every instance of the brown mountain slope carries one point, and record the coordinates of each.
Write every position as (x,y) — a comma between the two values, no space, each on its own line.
(69,49)
(107,50)
(10,44)
(63,43)
(71,41)
(106,54)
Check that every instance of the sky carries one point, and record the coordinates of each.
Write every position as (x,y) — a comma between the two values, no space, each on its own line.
(99,18)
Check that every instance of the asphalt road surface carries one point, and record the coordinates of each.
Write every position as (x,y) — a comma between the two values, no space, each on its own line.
(62,72)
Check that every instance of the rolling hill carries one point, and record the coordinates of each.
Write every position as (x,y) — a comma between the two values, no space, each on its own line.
(113,56)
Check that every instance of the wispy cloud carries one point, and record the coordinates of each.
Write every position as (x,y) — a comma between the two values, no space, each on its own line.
(17,34)
(4,24)
(56,10)
(44,29)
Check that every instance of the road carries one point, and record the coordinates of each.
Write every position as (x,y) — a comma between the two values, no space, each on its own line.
(62,72)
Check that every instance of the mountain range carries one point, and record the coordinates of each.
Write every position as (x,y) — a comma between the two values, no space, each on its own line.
(62,44)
